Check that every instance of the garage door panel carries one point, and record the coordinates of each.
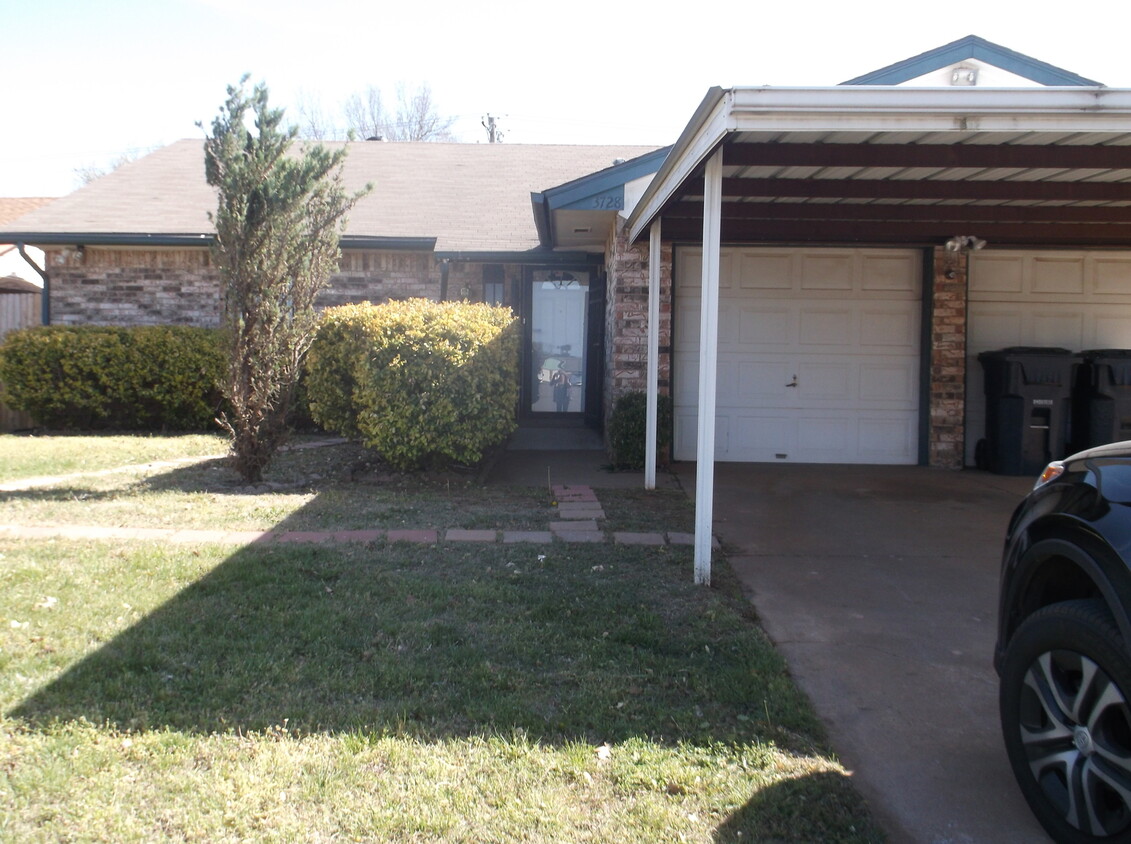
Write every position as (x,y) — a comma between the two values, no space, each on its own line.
(826,327)
(825,272)
(689,269)
(1111,330)
(685,329)
(821,439)
(892,382)
(767,327)
(764,270)
(761,381)
(892,440)
(760,437)
(995,326)
(685,379)
(1054,275)
(1002,274)
(1112,277)
(824,382)
(727,376)
(890,327)
(1061,328)
(891,273)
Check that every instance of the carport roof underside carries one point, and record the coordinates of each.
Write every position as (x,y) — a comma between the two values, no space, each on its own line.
(910,166)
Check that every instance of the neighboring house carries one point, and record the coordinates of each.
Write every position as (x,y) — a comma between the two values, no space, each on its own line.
(13,265)
(847,330)
(21,288)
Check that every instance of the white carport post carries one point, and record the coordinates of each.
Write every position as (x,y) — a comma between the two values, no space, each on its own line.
(652,386)
(708,367)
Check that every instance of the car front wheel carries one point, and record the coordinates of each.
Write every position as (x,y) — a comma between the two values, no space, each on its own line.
(1066,721)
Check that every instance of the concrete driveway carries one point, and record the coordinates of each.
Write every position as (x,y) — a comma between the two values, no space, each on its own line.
(879,586)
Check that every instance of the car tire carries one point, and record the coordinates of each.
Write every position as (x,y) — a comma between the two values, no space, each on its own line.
(1066,721)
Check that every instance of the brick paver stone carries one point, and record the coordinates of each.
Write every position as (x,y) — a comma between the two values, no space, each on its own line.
(581,535)
(417,536)
(560,527)
(543,537)
(463,535)
(629,538)
(359,535)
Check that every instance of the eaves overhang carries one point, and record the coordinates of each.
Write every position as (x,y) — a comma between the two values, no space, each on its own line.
(534,257)
(873,116)
(135,239)
(105,239)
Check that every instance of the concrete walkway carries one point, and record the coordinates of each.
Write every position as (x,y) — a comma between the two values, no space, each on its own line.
(879,586)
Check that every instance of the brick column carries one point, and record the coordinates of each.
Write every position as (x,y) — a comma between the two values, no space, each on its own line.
(626,318)
(946,436)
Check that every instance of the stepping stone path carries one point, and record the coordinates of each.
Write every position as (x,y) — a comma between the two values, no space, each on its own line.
(579,515)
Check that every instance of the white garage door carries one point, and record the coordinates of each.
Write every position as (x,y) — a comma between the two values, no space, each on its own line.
(818,355)
(1071,300)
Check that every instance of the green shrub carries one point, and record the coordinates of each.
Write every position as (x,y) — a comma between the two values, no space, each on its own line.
(135,378)
(418,381)
(627,429)
(345,336)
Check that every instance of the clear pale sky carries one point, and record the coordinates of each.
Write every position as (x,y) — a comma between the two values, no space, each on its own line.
(86,81)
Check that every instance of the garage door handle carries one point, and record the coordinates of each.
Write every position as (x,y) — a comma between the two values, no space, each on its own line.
(792,383)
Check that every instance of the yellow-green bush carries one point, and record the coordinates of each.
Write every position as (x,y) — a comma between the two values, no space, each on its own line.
(130,378)
(418,381)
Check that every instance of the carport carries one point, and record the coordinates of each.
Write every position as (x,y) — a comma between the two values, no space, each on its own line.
(859,171)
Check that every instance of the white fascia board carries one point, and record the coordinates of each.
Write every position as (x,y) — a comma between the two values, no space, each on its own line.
(708,126)
(880,108)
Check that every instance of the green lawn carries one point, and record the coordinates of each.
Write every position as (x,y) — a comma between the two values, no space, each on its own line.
(24,456)
(396,692)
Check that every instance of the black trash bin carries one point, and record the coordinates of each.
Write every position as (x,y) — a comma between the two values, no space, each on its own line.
(1028,408)
(1103,400)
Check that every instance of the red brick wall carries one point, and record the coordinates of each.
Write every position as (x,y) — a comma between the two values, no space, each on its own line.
(181,286)
(626,317)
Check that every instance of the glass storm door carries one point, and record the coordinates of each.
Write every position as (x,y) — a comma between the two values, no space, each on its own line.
(557,352)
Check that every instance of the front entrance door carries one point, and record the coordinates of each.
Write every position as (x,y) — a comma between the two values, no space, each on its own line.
(556,338)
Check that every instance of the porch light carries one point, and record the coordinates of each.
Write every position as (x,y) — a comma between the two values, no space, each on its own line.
(960,244)
(964,75)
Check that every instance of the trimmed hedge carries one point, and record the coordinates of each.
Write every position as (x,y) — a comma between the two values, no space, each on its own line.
(109,377)
(627,429)
(418,381)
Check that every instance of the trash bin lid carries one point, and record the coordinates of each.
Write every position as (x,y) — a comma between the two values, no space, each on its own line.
(1024,351)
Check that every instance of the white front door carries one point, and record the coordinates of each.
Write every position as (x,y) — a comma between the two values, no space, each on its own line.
(818,355)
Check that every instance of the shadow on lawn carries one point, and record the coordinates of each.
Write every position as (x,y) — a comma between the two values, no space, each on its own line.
(779,812)
(561,643)
(564,642)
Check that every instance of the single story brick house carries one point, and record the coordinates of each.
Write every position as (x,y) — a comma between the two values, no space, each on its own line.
(830,231)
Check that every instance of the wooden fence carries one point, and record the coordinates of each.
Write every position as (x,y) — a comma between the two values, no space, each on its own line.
(17,310)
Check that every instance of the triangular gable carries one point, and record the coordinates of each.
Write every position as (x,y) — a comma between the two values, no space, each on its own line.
(594,194)
(978,49)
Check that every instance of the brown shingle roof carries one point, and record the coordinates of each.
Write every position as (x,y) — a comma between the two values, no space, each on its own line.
(470,197)
(12,208)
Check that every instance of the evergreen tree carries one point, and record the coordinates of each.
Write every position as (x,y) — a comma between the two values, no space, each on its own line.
(278,220)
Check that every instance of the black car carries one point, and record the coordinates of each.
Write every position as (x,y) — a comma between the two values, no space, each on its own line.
(1062,649)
